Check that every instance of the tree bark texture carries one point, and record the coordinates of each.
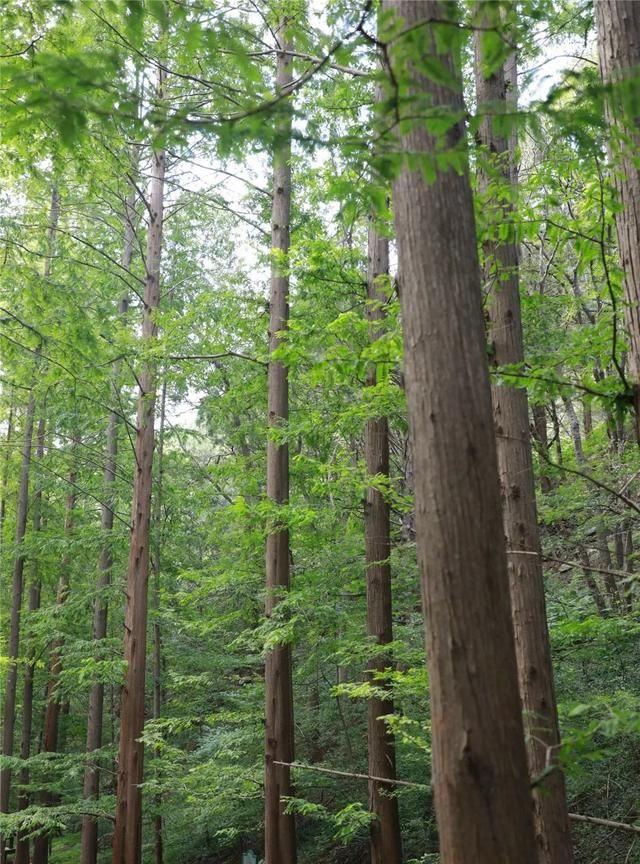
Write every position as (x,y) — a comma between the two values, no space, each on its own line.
(91,785)
(279,828)
(496,91)
(386,846)
(128,827)
(618,29)
(480,776)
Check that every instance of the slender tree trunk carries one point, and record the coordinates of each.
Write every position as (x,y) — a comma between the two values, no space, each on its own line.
(574,429)
(480,777)
(279,828)
(52,710)
(618,28)
(22,845)
(605,562)
(517,484)
(386,847)
(5,478)
(157,634)
(540,433)
(591,583)
(128,827)
(91,786)
(9,714)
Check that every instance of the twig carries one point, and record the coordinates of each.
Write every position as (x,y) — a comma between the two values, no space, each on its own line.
(606,823)
(355,776)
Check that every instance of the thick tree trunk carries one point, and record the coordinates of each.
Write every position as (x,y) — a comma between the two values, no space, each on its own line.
(9,712)
(480,777)
(517,483)
(22,844)
(386,847)
(128,827)
(52,710)
(91,786)
(618,27)
(279,828)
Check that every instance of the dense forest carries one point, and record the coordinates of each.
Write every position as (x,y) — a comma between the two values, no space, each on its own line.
(320,431)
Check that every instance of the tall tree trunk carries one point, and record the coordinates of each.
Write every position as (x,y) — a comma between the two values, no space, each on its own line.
(9,714)
(157,634)
(480,777)
(618,28)
(517,483)
(279,828)
(52,710)
(574,430)
(128,827)
(91,786)
(386,847)
(22,844)
(5,478)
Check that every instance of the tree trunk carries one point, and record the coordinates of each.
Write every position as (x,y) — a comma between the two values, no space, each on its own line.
(542,439)
(517,483)
(128,826)
(574,430)
(480,777)
(157,635)
(618,28)
(9,714)
(52,710)
(91,786)
(5,478)
(386,847)
(591,583)
(22,843)
(279,828)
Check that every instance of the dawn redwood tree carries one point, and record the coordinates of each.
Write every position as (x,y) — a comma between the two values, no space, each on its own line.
(496,91)
(279,827)
(53,706)
(128,826)
(9,710)
(480,777)
(386,846)
(618,28)
(91,786)
(22,842)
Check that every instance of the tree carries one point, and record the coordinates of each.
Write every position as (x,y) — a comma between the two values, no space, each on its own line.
(386,845)
(496,91)
(91,786)
(128,826)
(9,716)
(618,28)
(480,777)
(279,827)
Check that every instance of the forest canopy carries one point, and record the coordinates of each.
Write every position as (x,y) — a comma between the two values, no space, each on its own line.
(320,431)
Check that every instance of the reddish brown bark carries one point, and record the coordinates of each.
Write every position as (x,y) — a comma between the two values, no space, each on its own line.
(494,92)
(128,826)
(386,846)
(480,776)
(279,828)
(618,28)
